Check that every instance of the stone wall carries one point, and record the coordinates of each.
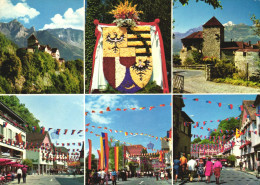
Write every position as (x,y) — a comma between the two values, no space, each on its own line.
(227,55)
(212,41)
(242,58)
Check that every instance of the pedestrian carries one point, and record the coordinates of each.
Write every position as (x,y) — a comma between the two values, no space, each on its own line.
(183,165)
(107,178)
(102,176)
(241,165)
(113,177)
(162,175)
(217,167)
(208,170)
(176,167)
(166,175)
(191,166)
(19,174)
(24,170)
(200,170)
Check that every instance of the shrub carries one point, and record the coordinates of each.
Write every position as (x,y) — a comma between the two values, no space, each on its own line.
(223,69)
(188,61)
(197,57)
(176,60)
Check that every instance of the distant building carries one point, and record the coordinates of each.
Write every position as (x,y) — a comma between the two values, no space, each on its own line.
(204,150)
(232,147)
(40,150)
(210,42)
(133,153)
(60,157)
(181,134)
(12,135)
(33,44)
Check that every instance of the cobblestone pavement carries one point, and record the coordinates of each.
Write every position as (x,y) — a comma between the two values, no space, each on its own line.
(229,176)
(195,82)
(52,180)
(143,181)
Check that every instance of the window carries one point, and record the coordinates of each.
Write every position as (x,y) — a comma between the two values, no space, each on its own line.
(23,138)
(10,136)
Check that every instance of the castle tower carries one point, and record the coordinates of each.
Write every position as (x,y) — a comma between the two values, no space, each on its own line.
(32,42)
(213,37)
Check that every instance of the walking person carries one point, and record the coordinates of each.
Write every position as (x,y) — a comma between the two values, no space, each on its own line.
(200,170)
(113,177)
(217,168)
(191,166)
(176,167)
(24,170)
(162,175)
(156,175)
(208,170)
(241,165)
(19,174)
(183,165)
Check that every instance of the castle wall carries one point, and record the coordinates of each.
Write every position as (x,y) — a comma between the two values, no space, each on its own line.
(252,58)
(227,55)
(213,37)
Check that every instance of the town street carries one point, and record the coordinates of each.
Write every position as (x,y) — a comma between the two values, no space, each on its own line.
(229,176)
(143,181)
(52,180)
(195,82)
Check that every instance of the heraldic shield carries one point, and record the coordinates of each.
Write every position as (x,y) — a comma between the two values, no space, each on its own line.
(123,58)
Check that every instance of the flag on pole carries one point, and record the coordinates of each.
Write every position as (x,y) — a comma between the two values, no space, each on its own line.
(116,157)
(89,154)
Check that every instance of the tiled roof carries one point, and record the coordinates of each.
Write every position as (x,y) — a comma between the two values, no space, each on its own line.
(250,109)
(32,37)
(240,46)
(195,35)
(61,149)
(54,50)
(36,138)
(213,22)
(134,149)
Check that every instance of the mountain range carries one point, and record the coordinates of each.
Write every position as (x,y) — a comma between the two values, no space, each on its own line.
(236,32)
(70,42)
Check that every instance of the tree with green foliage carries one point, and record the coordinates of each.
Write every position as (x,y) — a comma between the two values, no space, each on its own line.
(11,67)
(93,161)
(196,140)
(112,155)
(232,159)
(256,26)
(214,3)
(28,162)
(14,104)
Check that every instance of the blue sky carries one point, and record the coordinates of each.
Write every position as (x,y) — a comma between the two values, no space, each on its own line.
(195,14)
(43,14)
(155,122)
(60,112)
(200,111)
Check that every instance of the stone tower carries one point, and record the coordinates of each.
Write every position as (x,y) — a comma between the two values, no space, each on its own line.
(32,42)
(213,37)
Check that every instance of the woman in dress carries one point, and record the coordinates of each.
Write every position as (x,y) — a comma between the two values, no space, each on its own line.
(208,170)
(200,170)
(217,168)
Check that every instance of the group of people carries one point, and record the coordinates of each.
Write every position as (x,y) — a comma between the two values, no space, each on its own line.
(101,177)
(202,168)
(7,176)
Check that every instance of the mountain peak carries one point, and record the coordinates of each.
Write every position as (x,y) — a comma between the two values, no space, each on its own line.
(229,23)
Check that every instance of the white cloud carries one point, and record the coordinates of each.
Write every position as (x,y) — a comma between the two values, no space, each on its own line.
(70,19)
(21,11)
(229,23)
(100,103)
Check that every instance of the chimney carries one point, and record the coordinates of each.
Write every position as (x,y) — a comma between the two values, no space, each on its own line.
(231,40)
(249,43)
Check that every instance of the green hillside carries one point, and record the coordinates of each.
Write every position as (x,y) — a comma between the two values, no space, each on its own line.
(23,72)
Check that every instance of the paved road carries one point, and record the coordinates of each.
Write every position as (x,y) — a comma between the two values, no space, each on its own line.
(143,181)
(195,82)
(229,176)
(52,180)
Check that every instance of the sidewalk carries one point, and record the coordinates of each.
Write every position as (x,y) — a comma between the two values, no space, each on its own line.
(245,171)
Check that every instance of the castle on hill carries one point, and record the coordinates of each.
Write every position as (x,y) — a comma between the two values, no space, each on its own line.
(33,44)
(210,42)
